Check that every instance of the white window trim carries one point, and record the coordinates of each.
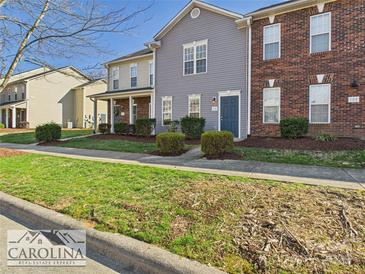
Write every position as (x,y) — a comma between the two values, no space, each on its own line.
(329,33)
(329,106)
(263,106)
(194,45)
(115,77)
(230,93)
(165,98)
(263,41)
(151,72)
(130,74)
(194,96)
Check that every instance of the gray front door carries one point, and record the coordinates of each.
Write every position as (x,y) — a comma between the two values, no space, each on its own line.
(229,111)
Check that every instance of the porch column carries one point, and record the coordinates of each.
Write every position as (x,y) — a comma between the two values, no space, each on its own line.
(7,118)
(1,115)
(152,114)
(112,115)
(130,110)
(13,122)
(95,115)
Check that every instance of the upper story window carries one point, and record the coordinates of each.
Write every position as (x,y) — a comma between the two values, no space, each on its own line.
(271,105)
(195,57)
(194,106)
(133,74)
(115,77)
(9,97)
(320,32)
(23,95)
(272,42)
(319,103)
(151,73)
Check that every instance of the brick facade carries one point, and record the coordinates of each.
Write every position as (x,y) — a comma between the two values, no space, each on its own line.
(297,69)
(123,112)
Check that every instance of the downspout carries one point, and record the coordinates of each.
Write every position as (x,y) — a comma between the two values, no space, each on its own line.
(249,21)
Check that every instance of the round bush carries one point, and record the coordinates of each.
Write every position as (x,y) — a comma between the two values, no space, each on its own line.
(170,143)
(144,127)
(215,143)
(2,125)
(48,132)
(293,127)
(192,127)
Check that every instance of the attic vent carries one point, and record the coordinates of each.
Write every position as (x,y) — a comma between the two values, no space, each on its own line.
(195,13)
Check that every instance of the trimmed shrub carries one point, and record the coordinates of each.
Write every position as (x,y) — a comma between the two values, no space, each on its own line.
(104,128)
(215,143)
(324,137)
(192,127)
(144,127)
(48,132)
(294,127)
(170,143)
(121,128)
(172,126)
(2,125)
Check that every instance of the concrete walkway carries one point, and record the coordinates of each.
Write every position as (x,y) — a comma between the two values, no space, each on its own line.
(192,161)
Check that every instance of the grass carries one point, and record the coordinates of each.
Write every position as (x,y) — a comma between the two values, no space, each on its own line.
(217,220)
(29,137)
(112,145)
(341,159)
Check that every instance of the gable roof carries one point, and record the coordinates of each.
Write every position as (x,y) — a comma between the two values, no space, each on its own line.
(91,83)
(192,4)
(136,54)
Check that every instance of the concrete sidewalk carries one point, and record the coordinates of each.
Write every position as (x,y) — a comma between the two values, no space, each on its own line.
(313,175)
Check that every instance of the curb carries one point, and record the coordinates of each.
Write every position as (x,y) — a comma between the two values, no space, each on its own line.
(139,256)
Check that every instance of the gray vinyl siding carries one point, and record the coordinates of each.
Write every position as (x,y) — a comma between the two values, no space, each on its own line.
(226,67)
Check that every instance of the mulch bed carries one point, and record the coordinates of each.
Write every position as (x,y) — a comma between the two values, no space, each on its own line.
(303,144)
(4,152)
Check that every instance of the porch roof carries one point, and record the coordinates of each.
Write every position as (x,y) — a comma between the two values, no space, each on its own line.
(12,103)
(121,92)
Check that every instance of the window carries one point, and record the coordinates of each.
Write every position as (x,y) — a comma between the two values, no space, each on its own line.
(133,73)
(151,69)
(9,97)
(271,105)
(115,77)
(23,95)
(320,33)
(16,96)
(319,104)
(166,109)
(134,112)
(272,42)
(195,57)
(194,106)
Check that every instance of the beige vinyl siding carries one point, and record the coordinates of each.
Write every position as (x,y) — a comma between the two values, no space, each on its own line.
(124,73)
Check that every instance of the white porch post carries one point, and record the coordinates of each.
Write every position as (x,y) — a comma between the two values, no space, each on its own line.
(112,115)
(7,118)
(13,122)
(95,115)
(130,110)
(152,114)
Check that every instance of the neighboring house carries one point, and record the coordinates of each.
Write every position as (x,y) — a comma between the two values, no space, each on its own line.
(130,87)
(40,96)
(84,106)
(308,60)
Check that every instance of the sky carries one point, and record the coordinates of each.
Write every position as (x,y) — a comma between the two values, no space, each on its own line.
(158,15)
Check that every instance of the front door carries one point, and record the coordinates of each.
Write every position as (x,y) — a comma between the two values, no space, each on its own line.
(229,112)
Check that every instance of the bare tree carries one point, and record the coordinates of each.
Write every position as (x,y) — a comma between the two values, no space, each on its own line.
(38,31)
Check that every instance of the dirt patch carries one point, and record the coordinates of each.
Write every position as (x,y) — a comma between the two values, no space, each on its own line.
(279,227)
(4,152)
(179,226)
(303,144)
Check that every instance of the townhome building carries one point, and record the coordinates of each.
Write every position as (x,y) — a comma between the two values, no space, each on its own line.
(49,95)
(308,60)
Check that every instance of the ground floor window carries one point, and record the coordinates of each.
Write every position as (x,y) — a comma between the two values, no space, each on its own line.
(166,109)
(319,104)
(194,106)
(134,113)
(271,105)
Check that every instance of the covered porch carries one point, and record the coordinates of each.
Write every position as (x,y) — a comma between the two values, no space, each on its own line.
(126,106)
(14,114)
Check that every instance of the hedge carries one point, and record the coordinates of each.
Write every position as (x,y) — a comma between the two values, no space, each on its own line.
(170,143)
(48,132)
(121,128)
(104,128)
(293,127)
(145,127)
(215,143)
(192,127)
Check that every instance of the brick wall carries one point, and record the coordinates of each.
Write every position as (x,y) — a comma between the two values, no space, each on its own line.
(142,107)
(297,69)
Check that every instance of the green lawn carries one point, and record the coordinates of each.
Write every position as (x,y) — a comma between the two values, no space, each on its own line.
(217,220)
(342,159)
(112,145)
(29,138)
